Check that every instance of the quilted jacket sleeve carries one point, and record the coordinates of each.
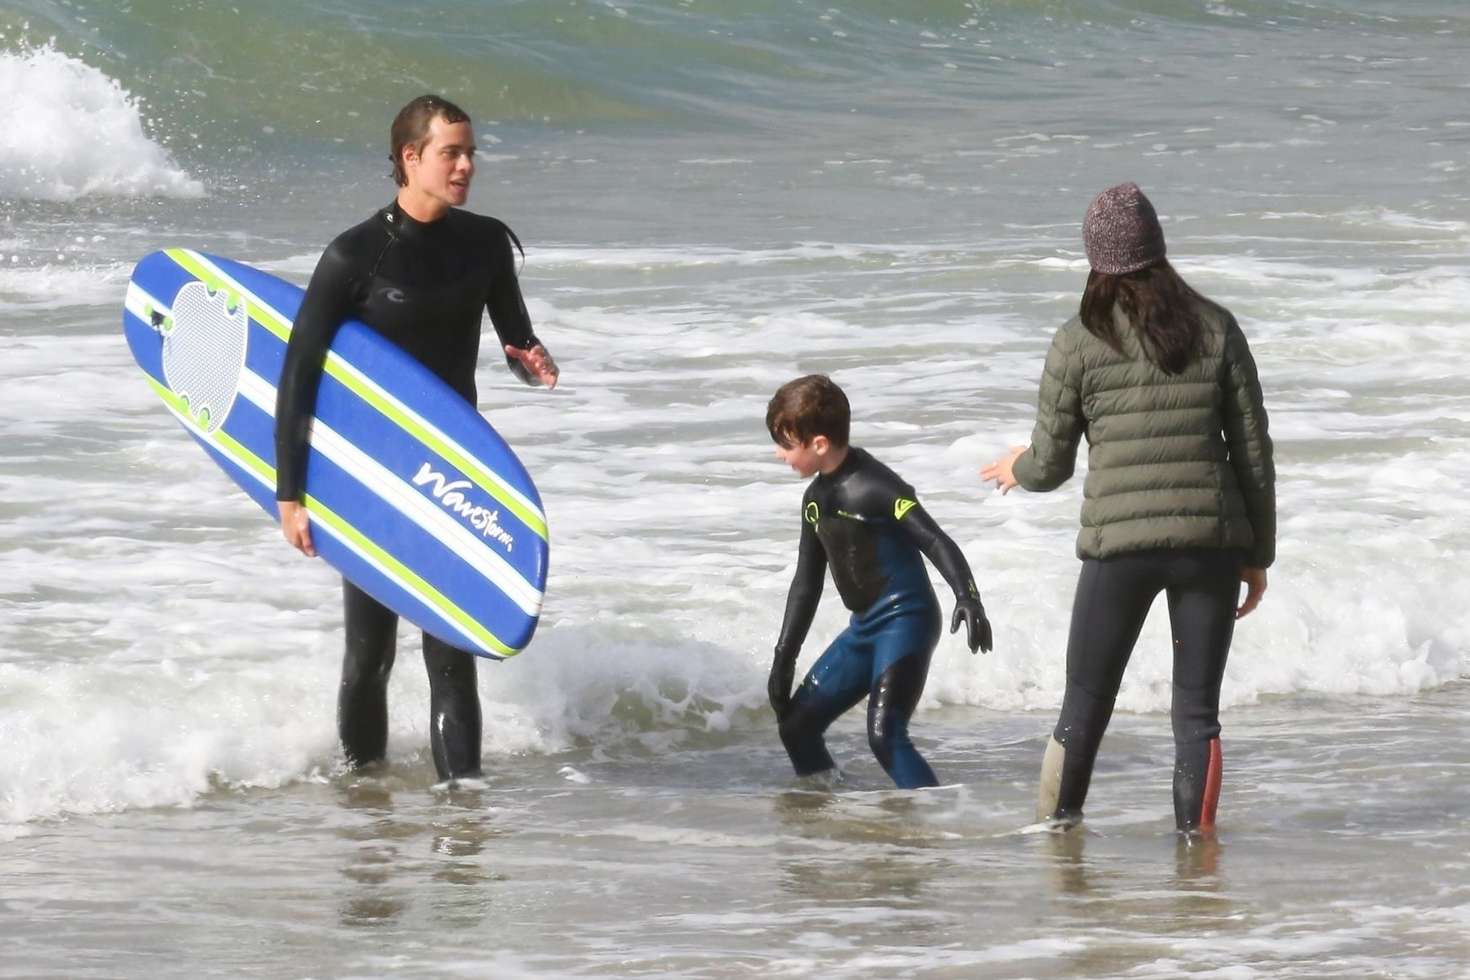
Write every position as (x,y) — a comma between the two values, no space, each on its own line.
(1052,456)
(1248,437)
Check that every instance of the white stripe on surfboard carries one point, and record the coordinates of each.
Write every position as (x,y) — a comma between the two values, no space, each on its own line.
(350,545)
(337,361)
(392,489)
(139,303)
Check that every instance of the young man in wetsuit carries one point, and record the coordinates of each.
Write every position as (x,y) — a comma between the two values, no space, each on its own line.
(862,520)
(421,272)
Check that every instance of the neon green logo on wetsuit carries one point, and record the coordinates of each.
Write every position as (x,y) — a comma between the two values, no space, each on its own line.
(902,506)
(812,513)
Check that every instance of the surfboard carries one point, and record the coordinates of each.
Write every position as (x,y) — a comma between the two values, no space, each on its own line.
(413,495)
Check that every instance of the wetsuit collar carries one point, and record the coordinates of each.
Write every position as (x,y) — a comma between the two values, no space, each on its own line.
(848,464)
(404,225)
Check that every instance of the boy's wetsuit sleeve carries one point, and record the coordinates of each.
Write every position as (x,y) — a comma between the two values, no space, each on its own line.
(882,495)
(940,549)
(805,591)
(328,302)
(801,606)
(506,305)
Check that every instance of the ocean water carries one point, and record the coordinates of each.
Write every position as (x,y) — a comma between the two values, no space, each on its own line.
(716,197)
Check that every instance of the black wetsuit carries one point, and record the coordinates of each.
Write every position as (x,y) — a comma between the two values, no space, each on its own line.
(1114,594)
(866,524)
(424,287)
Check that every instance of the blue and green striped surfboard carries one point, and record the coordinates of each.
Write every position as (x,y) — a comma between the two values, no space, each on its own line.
(413,496)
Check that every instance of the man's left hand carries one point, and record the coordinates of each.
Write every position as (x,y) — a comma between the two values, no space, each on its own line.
(537,362)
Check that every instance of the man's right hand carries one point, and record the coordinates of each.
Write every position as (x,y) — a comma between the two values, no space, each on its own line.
(296,526)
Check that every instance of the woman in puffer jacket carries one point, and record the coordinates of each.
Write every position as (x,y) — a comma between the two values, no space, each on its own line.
(1179,495)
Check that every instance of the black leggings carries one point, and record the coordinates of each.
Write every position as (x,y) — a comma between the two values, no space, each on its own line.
(362,698)
(1113,599)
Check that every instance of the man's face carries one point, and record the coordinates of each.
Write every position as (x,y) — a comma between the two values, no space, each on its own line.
(445,164)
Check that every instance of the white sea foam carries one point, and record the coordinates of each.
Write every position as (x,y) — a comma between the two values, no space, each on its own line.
(55,285)
(68,131)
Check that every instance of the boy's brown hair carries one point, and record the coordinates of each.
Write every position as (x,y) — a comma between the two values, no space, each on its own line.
(808,407)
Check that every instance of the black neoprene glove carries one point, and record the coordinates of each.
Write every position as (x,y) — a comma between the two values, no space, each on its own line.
(778,687)
(972,613)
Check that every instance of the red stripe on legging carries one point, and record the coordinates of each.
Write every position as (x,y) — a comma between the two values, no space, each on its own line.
(1212,788)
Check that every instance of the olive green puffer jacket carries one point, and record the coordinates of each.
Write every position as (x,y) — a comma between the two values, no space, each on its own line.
(1173,461)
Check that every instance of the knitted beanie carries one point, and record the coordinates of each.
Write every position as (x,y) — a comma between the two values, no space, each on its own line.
(1121,231)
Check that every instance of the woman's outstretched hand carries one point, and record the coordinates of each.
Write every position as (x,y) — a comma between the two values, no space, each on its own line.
(1001,470)
(1255,588)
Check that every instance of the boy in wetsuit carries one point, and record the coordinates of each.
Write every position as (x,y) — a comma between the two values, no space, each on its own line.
(862,520)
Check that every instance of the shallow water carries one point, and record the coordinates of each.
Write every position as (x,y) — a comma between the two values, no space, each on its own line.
(1341,854)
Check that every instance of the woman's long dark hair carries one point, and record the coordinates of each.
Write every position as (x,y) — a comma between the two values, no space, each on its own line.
(1159,305)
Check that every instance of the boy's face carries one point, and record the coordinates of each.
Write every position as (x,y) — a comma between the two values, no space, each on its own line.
(805,458)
